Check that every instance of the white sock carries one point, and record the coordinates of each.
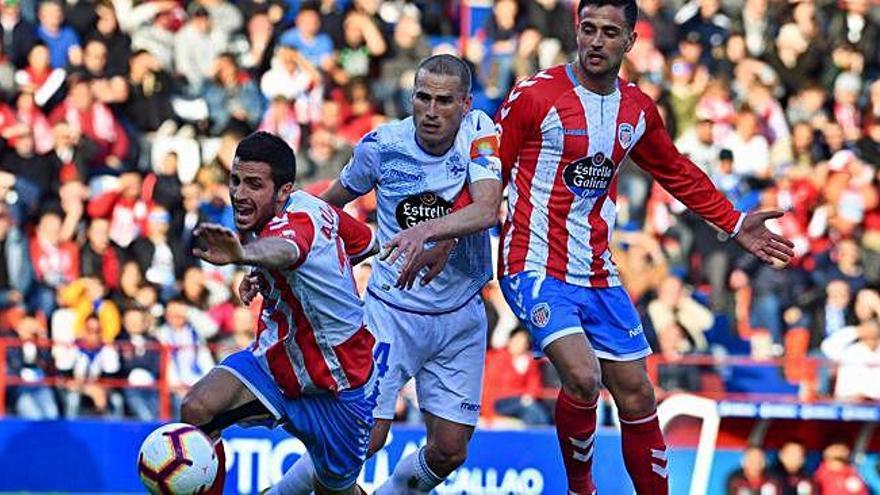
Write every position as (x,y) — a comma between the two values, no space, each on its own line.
(298,480)
(411,467)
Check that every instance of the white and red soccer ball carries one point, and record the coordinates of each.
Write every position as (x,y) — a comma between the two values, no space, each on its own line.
(177,458)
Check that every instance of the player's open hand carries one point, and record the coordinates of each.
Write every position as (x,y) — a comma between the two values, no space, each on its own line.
(409,244)
(433,259)
(217,244)
(756,238)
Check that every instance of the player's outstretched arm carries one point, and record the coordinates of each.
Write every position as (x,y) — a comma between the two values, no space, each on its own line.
(481,214)
(757,239)
(221,246)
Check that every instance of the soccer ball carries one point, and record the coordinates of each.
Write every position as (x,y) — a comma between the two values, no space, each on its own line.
(177,458)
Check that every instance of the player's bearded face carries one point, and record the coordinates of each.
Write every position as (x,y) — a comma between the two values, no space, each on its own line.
(603,38)
(439,105)
(253,194)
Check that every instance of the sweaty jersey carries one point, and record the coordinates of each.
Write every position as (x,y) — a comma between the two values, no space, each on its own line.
(561,147)
(310,336)
(413,186)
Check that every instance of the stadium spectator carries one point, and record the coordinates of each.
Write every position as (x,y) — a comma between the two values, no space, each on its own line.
(95,121)
(107,87)
(150,91)
(307,39)
(140,363)
(836,474)
(16,269)
(294,78)
(19,35)
(196,46)
(123,204)
(856,351)
(231,95)
(106,30)
(41,172)
(190,357)
(752,478)
(88,298)
(31,362)
(160,256)
(241,336)
(408,47)
(516,381)
(55,262)
(791,472)
(62,40)
(93,360)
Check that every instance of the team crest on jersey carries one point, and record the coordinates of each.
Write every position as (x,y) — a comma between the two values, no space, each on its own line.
(420,208)
(625,135)
(540,315)
(455,166)
(589,177)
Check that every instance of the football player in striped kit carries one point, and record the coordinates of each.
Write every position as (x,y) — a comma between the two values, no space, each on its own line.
(310,367)
(564,132)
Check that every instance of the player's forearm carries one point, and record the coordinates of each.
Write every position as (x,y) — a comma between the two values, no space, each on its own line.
(479,213)
(272,253)
(473,218)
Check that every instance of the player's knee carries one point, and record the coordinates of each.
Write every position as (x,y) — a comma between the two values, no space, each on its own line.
(583,383)
(444,457)
(195,410)
(635,397)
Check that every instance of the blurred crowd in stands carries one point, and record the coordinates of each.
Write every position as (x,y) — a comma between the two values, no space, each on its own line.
(119,120)
(794,473)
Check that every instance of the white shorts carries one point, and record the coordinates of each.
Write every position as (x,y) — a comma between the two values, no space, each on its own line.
(445,354)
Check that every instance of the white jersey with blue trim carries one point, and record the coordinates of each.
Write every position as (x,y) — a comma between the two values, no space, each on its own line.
(413,186)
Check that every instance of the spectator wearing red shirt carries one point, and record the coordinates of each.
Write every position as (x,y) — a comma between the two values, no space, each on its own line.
(125,207)
(55,262)
(95,121)
(516,380)
(837,475)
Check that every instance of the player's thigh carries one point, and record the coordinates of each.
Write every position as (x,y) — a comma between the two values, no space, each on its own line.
(217,392)
(613,326)
(336,431)
(449,384)
(399,351)
(542,307)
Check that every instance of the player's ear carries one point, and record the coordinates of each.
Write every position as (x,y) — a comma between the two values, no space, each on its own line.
(284,191)
(632,39)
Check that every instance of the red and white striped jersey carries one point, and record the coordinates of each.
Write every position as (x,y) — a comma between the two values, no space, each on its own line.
(561,148)
(310,336)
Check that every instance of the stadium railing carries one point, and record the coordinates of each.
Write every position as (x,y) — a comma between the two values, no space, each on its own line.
(713,366)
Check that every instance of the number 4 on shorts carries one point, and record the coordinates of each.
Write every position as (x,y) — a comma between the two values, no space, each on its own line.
(380,356)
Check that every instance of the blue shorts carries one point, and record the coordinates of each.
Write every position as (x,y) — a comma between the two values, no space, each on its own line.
(551,309)
(334,428)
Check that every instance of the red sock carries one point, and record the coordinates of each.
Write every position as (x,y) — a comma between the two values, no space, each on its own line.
(576,430)
(220,479)
(644,453)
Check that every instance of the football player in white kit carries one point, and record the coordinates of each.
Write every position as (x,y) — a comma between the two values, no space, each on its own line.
(436,332)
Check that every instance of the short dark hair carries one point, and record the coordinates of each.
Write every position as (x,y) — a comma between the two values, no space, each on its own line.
(630,8)
(270,149)
(448,65)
